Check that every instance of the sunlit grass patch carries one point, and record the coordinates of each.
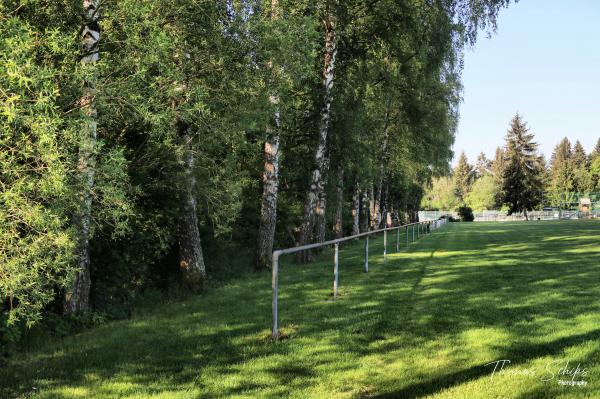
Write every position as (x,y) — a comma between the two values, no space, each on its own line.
(424,323)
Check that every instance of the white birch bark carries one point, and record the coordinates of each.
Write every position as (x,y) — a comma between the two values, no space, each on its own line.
(384,208)
(77,298)
(315,202)
(373,209)
(191,258)
(268,212)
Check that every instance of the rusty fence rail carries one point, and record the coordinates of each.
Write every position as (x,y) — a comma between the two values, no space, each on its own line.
(414,230)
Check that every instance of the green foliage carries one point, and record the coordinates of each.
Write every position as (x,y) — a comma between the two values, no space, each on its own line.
(36,199)
(441,195)
(465,213)
(595,172)
(199,76)
(483,194)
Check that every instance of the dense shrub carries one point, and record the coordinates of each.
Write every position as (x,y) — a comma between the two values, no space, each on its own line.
(465,213)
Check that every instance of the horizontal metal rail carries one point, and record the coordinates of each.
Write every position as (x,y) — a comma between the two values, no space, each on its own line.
(424,227)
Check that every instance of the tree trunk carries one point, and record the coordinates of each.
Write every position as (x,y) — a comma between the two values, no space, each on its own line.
(77,298)
(191,259)
(268,212)
(338,225)
(314,210)
(380,215)
(356,209)
(364,210)
(384,208)
(373,209)
(320,220)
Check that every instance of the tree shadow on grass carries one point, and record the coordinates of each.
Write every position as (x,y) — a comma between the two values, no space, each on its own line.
(517,354)
(439,287)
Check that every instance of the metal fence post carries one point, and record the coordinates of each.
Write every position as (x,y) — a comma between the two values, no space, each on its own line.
(428,226)
(275,287)
(336,269)
(384,245)
(367,254)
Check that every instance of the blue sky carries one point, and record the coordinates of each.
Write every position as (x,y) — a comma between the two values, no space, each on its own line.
(544,62)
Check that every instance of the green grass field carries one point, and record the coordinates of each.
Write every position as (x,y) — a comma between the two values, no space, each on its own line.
(424,324)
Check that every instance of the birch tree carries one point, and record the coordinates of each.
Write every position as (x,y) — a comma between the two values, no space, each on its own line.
(77,298)
(314,210)
(191,258)
(268,213)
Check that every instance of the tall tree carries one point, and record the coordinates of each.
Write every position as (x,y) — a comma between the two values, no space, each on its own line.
(522,187)
(77,298)
(561,173)
(582,180)
(463,177)
(595,152)
(594,166)
(314,210)
(268,213)
(483,166)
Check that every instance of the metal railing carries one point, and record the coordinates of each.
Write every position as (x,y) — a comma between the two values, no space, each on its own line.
(422,228)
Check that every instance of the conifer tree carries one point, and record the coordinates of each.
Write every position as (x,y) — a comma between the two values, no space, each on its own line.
(595,152)
(582,180)
(561,173)
(483,167)
(522,185)
(463,177)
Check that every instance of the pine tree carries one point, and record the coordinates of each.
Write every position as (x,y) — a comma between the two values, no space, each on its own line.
(582,180)
(483,167)
(594,167)
(561,173)
(463,177)
(522,185)
(595,152)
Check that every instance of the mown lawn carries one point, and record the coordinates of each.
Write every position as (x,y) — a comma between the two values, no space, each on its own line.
(424,324)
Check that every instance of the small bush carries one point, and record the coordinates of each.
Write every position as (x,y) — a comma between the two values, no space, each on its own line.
(465,213)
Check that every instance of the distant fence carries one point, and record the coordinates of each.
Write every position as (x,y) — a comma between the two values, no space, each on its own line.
(435,215)
(500,216)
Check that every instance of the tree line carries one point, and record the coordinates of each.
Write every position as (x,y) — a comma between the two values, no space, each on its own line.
(518,178)
(144,142)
